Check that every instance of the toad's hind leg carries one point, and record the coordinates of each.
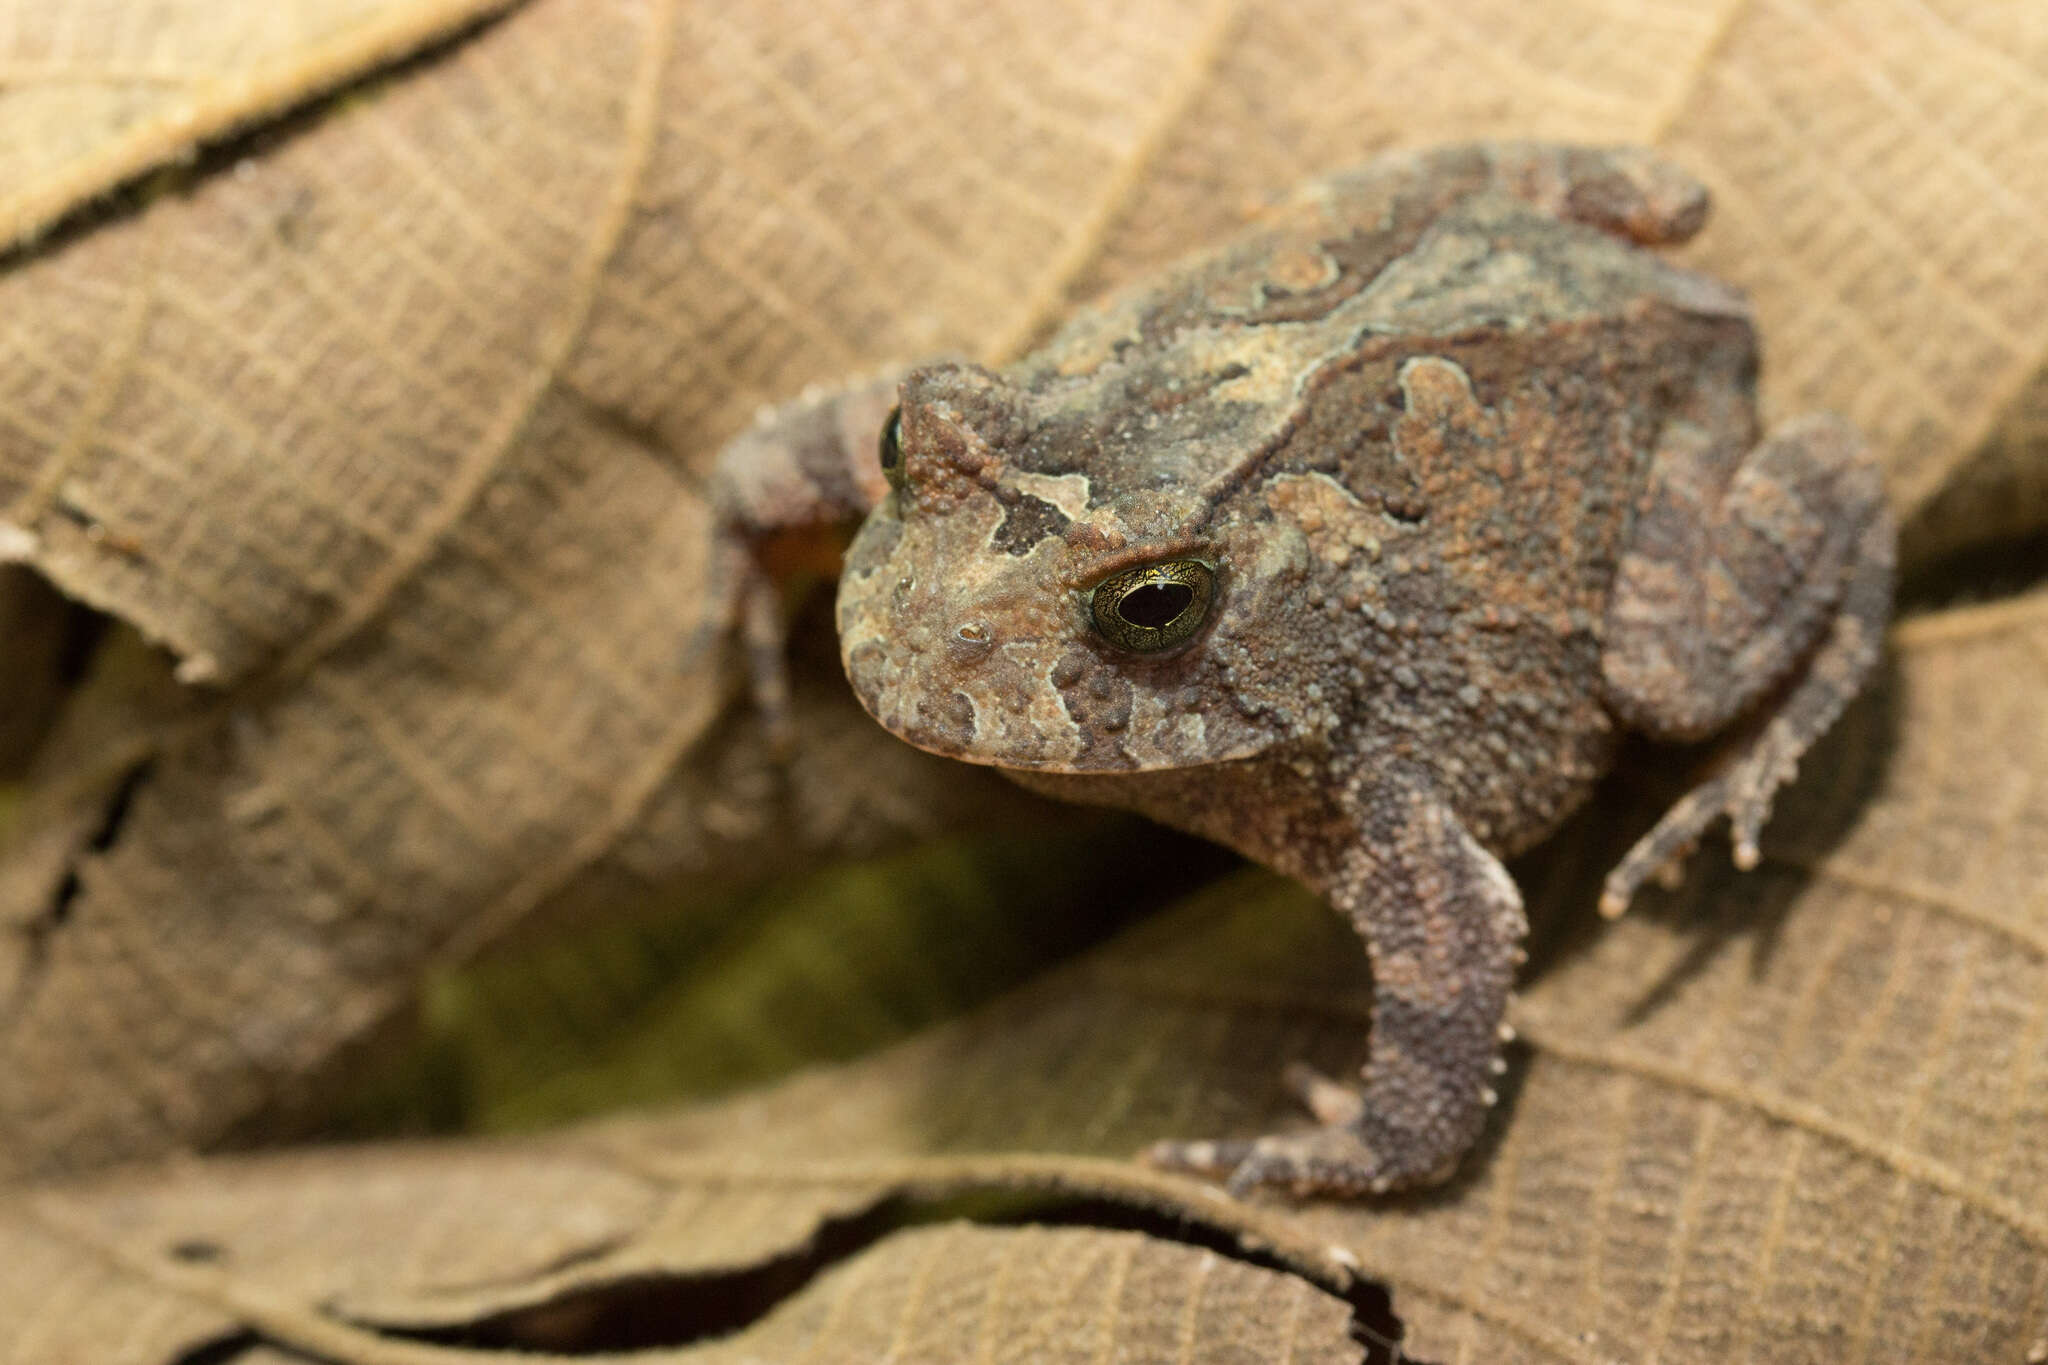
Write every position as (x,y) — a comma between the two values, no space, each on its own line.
(1757,594)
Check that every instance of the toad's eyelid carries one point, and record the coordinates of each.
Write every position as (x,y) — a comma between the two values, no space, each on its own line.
(1137,557)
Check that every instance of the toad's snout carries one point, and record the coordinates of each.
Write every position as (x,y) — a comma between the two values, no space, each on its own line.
(961,686)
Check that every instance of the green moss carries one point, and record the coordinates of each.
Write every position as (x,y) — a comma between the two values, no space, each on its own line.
(702,1000)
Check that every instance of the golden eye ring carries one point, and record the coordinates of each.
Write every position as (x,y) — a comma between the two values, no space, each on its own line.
(1154,606)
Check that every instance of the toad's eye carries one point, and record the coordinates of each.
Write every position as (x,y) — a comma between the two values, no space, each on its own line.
(890,450)
(1155,606)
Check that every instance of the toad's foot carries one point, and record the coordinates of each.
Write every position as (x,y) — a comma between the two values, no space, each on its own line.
(1336,1159)
(1742,792)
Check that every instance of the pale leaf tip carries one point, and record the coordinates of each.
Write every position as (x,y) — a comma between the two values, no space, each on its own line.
(18,544)
(196,669)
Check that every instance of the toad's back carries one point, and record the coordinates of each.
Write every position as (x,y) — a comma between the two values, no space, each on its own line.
(1454,397)
(1358,265)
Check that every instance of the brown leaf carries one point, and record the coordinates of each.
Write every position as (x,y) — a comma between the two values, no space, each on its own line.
(38,627)
(1999,493)
(91,96)
(1795,1115)
(391,424)
(366,1258)
(378,432)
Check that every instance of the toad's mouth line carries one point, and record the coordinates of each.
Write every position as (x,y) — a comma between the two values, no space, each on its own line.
(986,732)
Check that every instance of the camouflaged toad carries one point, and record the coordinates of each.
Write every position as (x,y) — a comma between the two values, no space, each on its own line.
(1356,544)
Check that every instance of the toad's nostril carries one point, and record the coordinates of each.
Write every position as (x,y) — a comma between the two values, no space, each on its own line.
(971,641)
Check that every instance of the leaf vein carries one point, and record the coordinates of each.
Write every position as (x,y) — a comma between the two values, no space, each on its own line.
(1797,1114)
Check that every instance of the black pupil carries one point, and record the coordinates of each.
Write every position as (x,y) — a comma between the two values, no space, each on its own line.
(1155,605)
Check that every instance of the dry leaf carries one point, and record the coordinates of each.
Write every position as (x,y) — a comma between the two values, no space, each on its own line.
(564,1250)
(93,93)
(1794,1115)
(42,633)
(1797,1115)
(390,425)
(1999,494)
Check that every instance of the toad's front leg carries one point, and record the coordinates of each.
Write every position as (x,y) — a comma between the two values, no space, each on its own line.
(778,492)
(1443,926)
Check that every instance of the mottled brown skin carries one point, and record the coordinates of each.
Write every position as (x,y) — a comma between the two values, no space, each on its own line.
(1480,482)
